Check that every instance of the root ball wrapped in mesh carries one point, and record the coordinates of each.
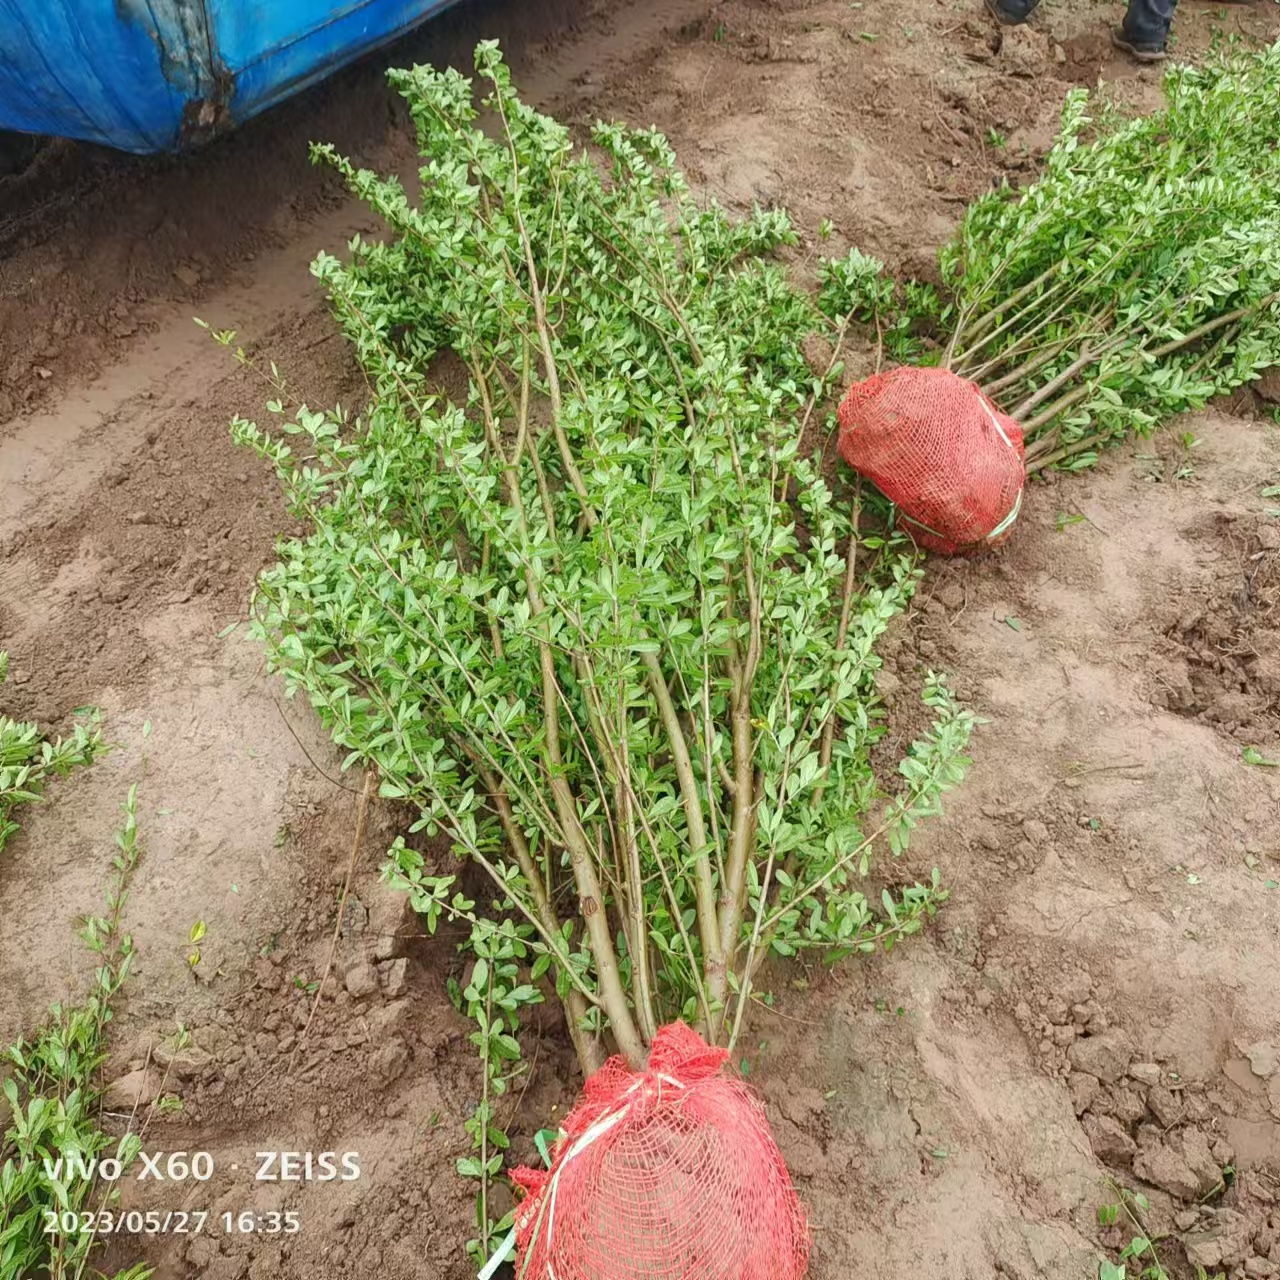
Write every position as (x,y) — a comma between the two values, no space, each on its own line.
(934,445)
(670,1173)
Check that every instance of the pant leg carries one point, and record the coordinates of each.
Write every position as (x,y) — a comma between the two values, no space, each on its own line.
(1017,10)
(1148,21)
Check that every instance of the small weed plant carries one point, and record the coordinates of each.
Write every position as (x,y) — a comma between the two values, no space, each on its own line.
(51,1097)
(572,587)
(1137,1260)
(28,759)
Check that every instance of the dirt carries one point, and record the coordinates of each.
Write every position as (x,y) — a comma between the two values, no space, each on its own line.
(1109,951)
(1097,999)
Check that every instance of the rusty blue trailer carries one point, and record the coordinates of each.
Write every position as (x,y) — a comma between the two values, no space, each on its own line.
(152,76)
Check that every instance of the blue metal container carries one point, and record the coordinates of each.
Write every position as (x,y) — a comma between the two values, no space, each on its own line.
(159,75)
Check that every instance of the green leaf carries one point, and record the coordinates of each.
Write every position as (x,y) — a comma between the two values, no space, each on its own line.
(507,1047)
(544,1139)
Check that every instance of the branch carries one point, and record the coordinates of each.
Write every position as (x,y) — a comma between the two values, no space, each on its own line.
(590,899)
(1087,357)
(1038,463)
(575,1006)
(1218,322)
(842,634)
(638,934)
(993,389)
(984,322)
(741,839)
(1060,405)
(698,842)
(543,328)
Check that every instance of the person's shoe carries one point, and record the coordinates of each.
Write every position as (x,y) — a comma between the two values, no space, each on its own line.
(1138,50)
(1009,17)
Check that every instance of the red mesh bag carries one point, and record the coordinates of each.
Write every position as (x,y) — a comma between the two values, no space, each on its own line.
(666,1174)
(932,443)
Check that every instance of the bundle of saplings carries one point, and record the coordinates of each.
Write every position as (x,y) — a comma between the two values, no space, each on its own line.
(1138,277)
(572,589)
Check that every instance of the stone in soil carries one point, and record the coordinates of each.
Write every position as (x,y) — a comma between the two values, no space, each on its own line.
(1024,51)
(1076,984)
(137,1088)
(183,1063)
(1164,1106)
(391,921)
(266,974)
(1127,1106)
(1262,1059)
(390,1020)
(1166,1169)
(1195,1151)
(1224,1244)
(1109,1139)
(388,1064)
(394,977)
(1037,833)
(200,1252)
(361,979)
(1084,1090)
(1105,1055)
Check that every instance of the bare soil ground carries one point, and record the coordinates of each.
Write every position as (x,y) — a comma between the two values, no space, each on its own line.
(1098,999)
